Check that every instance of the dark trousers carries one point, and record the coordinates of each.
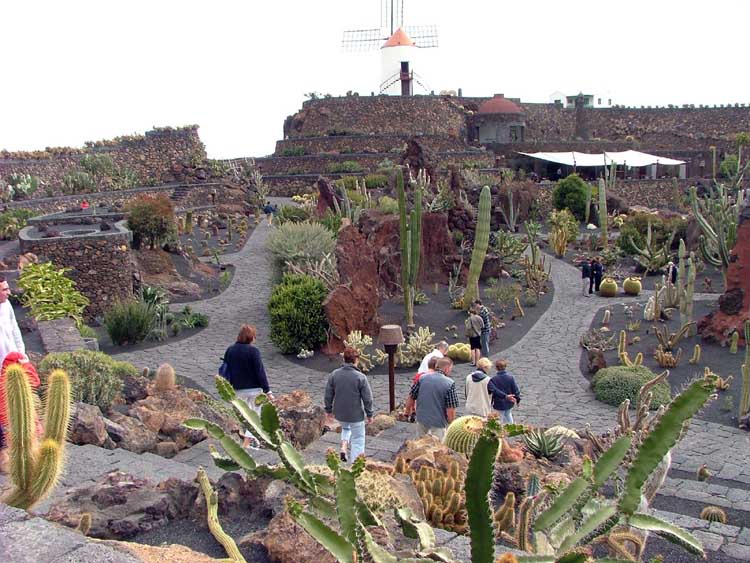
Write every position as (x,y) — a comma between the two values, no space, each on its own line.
(594,283)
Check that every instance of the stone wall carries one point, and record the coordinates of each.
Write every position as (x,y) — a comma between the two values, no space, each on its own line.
(100,264)
(344,144)
(387,115)
(151,157)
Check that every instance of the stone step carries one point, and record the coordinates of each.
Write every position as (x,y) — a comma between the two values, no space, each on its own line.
(707,493)
(731,540)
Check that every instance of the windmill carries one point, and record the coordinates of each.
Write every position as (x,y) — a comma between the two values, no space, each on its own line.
(398,45)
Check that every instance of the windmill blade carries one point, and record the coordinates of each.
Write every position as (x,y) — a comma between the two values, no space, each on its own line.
(357,40)
(424,36)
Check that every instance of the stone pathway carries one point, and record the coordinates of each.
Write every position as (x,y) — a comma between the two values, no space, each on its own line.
(545,361)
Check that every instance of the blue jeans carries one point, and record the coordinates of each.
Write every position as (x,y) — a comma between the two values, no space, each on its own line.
(354,433)
(484,338)
(506,417)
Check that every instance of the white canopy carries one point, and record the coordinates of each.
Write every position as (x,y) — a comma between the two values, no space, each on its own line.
(624,158)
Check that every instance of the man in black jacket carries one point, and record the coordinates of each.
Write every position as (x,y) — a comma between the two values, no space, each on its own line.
(349,399)
(586,277)
(597,271)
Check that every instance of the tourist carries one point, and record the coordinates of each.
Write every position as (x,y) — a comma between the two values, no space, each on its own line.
(671,276)
(409,411)
(504,391)
(247,375)
(436,399)
(84,205)
(269,210)
(33,377)
(586,276)
(441,349)
(484,312)
(474,327)
(477,397)
(597,271)
(348,399)
(10,335)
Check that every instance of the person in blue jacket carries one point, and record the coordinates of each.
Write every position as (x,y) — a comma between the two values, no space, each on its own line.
(504,391)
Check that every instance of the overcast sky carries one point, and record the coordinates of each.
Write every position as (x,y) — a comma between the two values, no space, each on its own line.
(75,70)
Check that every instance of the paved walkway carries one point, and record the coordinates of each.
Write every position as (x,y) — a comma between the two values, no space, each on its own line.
(545,360)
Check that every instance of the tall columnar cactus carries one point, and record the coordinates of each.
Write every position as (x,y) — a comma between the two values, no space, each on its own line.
(686,288)
(35,467)
(410,234)
(603,212)
(587,211)
(212,516)
(481,241)
(718,217)
(652,256)
(745,396)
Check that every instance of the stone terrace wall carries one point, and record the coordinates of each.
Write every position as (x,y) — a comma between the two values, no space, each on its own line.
(100,264)
(386,115)
(344,144)
(150,156)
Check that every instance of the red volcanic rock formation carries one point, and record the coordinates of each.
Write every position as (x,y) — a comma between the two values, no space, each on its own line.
(734,304)
(326,196)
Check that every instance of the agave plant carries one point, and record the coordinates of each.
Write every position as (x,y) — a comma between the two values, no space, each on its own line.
(541,444)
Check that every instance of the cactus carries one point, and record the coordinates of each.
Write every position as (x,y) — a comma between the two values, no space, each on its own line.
(359,341)
(511,216)
(686,286)
(212,509)
(543,445)
(518,312)
(35,467)
(587,211)
(714,514)
(666,359)
(504,518)
(635,362)
(622,343)
(410,235)
(479,252)
(165,379)
(696,357)
(230,229)
(745,395)
(558,240)
(606,317)
(462,434)
(669,341)
(718,218)
(734,342)
(652,256)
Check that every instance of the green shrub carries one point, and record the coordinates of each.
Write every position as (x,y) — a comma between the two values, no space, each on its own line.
(78,182)
(293,151)
(636,227)
(21,186)
(129,322)
(388,205)
(12,221)
(291,214)
(375,181)
(729,166)
(332,222)
(50,294)
(297,317)
(98,165)
(570,193)
(152,220)
(96,379)
(347,182)
(344,167)
(299,242)
(614,384)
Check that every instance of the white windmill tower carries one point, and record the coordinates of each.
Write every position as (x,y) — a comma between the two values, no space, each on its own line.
(399,47)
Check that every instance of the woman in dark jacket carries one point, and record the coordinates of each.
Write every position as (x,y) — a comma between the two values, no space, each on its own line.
(504,391)
(246,373)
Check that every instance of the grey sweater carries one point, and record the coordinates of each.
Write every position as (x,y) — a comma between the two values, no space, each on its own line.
(347,392)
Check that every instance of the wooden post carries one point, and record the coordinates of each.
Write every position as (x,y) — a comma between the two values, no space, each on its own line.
(391,350)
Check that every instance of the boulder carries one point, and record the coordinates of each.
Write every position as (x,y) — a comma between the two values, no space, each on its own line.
(596,361)
(87,426)
(431,452)
(287,542)
(173,553)
(301,420)
(418,156)
(379,423)
(326,196)
(131,434)
(134,388)
(122,506)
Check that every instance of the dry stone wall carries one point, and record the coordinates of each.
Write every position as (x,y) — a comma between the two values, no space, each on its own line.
(100,264)
(345,144)
(151,157)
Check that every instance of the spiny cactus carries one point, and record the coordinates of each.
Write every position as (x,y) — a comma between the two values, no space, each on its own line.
(696,357)
(652,256)
(714,514)
(686,287)
(214,525)
(165,379)
(462,434)
(669,341)
(745,395)
(410,234)
(558,240)
(718,217)
(360,342)
(603,215)
(666,359)
(35,467)
(479,252)
(734,342)
(504,519)
(541,444)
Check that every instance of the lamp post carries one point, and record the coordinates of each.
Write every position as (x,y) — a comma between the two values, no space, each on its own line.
(390,337)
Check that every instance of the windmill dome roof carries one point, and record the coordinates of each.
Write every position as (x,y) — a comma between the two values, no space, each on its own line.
(399,39)
(499,104)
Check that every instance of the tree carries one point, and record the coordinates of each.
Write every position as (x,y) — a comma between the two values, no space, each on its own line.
(570,193)
(151,219)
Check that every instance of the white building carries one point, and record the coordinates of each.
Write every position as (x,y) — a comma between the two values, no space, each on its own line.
(398,60)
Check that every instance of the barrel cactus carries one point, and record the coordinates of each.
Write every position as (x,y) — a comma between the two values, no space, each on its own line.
(459,352)
(608,287)
(462,434)
(632,285)
(714,514)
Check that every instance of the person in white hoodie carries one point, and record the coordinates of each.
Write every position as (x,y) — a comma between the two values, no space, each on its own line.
(478,399)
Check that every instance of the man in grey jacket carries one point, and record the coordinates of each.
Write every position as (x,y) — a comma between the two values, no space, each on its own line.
(348,399)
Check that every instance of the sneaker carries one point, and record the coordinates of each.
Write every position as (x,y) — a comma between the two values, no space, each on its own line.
(343,457)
